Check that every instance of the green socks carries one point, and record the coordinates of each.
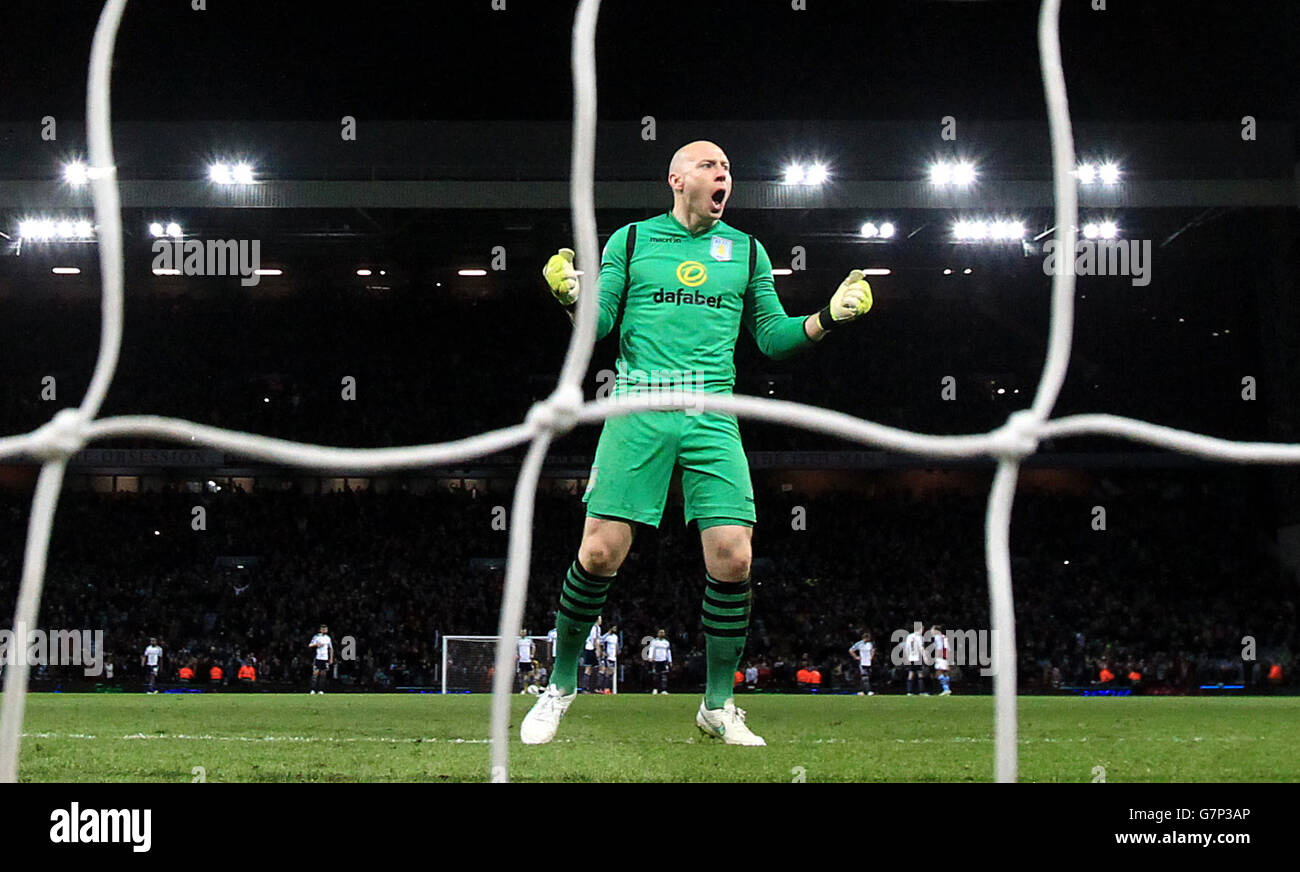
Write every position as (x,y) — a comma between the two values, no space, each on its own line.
(725,615)
(726,626)
(581,601)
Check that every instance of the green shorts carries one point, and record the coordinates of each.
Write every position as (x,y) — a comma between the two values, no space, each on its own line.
(636,456)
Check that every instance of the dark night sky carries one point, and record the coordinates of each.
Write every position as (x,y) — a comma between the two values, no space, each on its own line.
(459,59)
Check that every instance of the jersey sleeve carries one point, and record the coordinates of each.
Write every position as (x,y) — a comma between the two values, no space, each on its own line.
(778,335)
(612,284)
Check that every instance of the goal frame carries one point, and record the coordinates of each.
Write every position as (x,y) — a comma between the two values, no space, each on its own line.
(541,640)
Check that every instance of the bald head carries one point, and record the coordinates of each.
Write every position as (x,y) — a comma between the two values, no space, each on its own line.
(691,153)
(700,177)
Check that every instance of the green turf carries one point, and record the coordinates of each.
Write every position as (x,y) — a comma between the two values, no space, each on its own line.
(373,737)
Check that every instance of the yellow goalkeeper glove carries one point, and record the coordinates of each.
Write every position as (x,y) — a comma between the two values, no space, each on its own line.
(852,299)
(561,276)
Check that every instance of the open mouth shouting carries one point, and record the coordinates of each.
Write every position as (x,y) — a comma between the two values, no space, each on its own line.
(717,200)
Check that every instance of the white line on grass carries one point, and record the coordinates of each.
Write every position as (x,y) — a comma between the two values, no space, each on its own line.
(951,740)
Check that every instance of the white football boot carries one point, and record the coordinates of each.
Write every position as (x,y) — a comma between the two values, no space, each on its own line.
(727,724)
(543,718)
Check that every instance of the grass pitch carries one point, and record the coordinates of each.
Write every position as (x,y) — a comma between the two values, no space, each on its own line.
(374,737)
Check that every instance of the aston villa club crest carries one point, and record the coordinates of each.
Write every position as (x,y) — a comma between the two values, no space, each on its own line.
(720,248)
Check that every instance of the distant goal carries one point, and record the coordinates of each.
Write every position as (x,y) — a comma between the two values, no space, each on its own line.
(468,663)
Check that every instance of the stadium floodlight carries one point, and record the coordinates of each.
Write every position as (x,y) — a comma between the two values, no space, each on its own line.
(166,272)
(1009,230)
(1087,173)
(872,230)
(66,271)
(471,272)
(877,271)
(947,272)
(783,271)
(75,173)
(798,174)
(364,272)
(155,229)
(995,231)
(61,230)
(67,229)
(961,173)
(32,229)
(967,271)
(1100,230)
(231,174)
(174,230)
(1108,173)
(268,272)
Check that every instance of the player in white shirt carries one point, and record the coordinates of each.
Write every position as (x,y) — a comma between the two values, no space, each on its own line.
(151,660)
(590,656)
(525,660)
(942,655)
(914,660)
(864,651)
(661,660)
(324,647)
(608,659)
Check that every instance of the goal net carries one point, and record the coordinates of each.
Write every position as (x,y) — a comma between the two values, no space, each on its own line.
(468,664)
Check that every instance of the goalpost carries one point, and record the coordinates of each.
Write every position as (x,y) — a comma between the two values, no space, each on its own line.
(468,664)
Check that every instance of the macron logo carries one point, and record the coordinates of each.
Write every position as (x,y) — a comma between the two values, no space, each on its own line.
(104,825)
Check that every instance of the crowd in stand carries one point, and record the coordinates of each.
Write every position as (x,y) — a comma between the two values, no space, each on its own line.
(428,368)
(1168,591)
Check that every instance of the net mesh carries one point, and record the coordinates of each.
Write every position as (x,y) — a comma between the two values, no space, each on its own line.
(71,429)
(469,664)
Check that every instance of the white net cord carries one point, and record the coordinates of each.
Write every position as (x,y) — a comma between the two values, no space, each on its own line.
(71,429)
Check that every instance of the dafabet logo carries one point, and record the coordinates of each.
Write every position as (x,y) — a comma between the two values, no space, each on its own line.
(692,273)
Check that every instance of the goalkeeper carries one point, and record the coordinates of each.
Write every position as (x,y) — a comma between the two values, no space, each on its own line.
(684,282)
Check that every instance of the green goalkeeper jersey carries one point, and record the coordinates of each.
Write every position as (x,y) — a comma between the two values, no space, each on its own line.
(682,300)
